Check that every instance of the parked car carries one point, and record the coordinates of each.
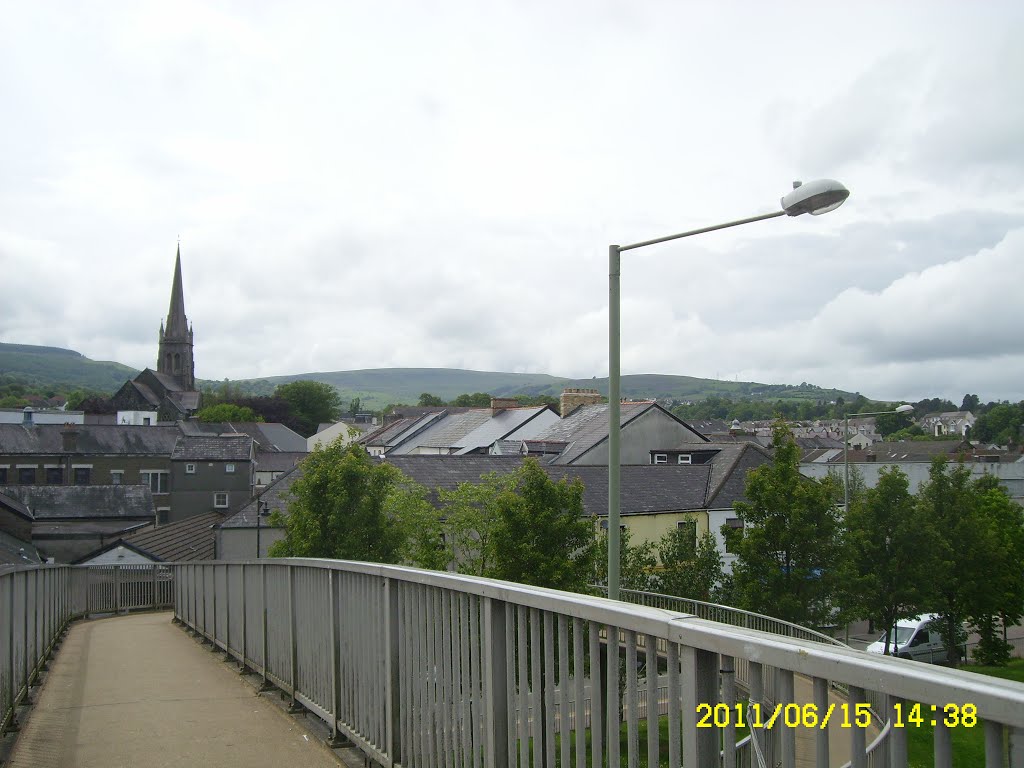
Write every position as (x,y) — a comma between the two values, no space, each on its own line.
(916,638)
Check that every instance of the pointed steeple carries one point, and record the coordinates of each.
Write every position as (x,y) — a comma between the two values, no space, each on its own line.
(175,355)
(177,323)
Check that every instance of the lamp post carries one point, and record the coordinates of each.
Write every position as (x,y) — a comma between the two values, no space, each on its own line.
(262,510)
(815,197)
(846,446)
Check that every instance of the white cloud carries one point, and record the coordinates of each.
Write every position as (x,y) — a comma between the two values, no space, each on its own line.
(435,184)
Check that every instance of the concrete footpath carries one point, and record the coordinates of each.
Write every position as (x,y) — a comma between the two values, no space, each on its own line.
(139,691)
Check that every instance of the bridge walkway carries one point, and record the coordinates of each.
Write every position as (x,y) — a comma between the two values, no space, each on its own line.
(136,690)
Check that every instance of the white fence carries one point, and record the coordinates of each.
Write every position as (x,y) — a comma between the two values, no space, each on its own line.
(421,668)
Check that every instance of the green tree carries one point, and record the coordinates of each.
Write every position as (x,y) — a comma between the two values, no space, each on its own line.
(1001,603)
(637,562)
(312,403)
(226,412)
(475,400)
(428,400)
(424,540)
(786,559)
(687,570)
(471,516)
(340,508)
(960,569)
(1000,424)
(887,423)
(886,563)
(542,537)
(970,403)
(353,406)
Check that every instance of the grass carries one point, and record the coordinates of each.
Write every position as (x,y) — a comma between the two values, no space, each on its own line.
(968,743)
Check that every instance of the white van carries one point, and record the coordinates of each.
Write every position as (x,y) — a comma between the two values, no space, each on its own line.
(917,639)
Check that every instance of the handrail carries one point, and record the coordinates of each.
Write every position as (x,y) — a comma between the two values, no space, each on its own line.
(428,668)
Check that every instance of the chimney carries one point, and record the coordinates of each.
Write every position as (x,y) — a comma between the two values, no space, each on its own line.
(69,438)
(870,457)
(26,419)
(573,398)
(499,404)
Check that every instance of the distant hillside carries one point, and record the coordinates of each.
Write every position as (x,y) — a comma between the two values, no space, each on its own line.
(43,366)
(378,387)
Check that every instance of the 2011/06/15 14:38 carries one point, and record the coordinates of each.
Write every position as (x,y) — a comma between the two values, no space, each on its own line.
(808,715)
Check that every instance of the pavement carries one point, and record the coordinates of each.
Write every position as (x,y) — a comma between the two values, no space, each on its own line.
(139,691)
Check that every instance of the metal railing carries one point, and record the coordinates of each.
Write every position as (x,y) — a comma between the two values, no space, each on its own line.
(422,668)
(38,602)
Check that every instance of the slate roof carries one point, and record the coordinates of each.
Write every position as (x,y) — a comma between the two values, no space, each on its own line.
(499,426)
(446,431)
(14,551)
(14,504)
(86,528)
(912,450)
(587,426)
(277,496)
(729,473)
(53,502)
(189,539)
(391,436)
(119,439)
(270,461)
(213,448)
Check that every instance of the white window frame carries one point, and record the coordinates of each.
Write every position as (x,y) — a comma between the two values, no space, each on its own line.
(216,504)
(190,469)
(659,458)
(229,469)
(147,479)
(685,458)
(117,477)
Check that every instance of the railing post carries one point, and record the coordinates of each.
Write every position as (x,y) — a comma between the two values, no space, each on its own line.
(333,739)
(244,669)
(821,734)
(117,589)
(787,736)
(265,685)
(858,736)
(156,601)
(728,673)
(392,670)
(293,665)
(993,744)
(1016,747)
(496,684)
(227,613)
(756,684)
(12,673)
(700,686)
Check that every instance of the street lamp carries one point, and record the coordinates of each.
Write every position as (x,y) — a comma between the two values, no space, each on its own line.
(262,510)
(815,197)
(846,447)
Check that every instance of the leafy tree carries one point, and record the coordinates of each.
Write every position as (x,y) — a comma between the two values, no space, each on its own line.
(340,508)
(541,537)
(689,571)
(428,400)
(312,403)
(786,560)
(425,544)
(270,408)
(1000,424)
(471,513)
(1001,603)
(95,404)
(959,571)
(887,423)
(886,573)
(353,406)
(970,403)
(476,400)
(636,562)
(226,412)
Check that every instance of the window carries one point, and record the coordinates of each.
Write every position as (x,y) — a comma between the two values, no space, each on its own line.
(26,475)
(156,479)
(688,536)
(229,468)
(220,499)
(54,476)
(190,469)
(116,476)
(146,421)
(82,475)
(3,475)
(659,458)
(163,514)
(685,458)
(733,533)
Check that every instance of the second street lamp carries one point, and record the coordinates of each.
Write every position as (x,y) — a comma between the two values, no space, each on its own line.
(815,197)
(846,446)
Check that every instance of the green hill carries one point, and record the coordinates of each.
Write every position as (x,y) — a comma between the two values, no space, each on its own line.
(49,366)
(376,388)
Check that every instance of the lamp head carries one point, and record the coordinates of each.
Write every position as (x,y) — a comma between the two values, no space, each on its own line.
(904,409)
(814,197)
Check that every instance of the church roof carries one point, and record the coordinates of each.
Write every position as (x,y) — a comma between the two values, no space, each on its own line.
(177,323)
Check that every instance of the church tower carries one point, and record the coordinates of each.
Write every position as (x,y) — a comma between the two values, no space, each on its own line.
(175,356)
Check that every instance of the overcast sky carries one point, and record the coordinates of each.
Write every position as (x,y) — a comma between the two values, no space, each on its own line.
(429,183)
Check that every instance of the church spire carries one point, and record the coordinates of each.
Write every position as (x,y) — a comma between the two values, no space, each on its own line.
(175,356)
